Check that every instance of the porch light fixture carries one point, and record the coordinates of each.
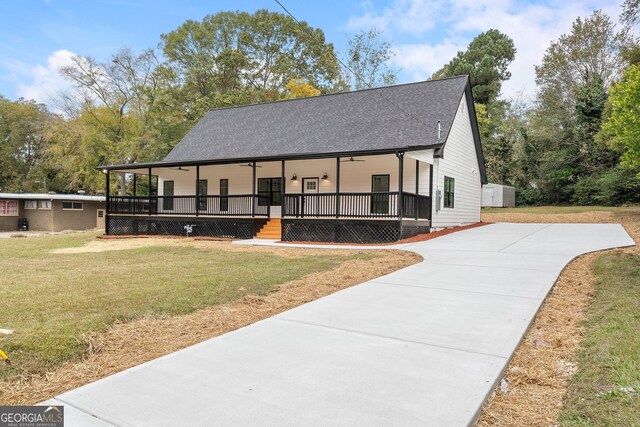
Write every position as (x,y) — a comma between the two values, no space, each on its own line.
(325,176)
(104,171)
(294,177)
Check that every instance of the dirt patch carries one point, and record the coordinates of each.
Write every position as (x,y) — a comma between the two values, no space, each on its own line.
(538,375)
(131,243)
(125,345)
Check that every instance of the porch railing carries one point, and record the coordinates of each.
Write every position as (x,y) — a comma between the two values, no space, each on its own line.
(231,205)
(355,205)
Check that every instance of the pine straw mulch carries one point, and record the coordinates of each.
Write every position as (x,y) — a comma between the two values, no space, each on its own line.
(125,345)
(538,374)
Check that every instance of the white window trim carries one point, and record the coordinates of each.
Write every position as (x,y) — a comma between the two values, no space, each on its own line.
(72,208)
(34,201)
(17,208)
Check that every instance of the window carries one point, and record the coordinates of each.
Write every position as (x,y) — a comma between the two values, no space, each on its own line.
(224,191)
(312,185)
(167,192)
(449,191)
(269,188)
(73,206)
(31,204)
(202,191)
(380,201)
(8,208)
(45,204)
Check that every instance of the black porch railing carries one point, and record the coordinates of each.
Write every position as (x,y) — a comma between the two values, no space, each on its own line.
(232,205)
(355,205)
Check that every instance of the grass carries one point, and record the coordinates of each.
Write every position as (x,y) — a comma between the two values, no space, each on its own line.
(556,209)
(606,389)
(51,300)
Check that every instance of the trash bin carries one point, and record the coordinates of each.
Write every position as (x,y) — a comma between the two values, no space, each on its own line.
(23,224)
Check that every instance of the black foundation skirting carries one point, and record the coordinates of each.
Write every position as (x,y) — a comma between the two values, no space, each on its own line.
(237,228)
(350,231)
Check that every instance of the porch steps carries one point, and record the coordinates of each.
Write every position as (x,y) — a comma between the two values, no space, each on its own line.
(271,230)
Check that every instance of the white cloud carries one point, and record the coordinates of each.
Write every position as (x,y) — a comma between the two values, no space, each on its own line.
(531,26)
(44,82)
(408,16)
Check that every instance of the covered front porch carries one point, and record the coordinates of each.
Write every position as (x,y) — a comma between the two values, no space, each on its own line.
(352,198)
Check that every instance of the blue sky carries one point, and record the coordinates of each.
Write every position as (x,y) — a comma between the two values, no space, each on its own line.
(39,36)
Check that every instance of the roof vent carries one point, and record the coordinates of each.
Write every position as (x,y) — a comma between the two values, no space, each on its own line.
(81,192)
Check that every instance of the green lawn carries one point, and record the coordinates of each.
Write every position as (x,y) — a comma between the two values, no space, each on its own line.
(556,209)
(606,389)
(50,300)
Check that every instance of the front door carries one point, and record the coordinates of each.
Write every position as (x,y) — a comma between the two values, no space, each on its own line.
(269,188)
(100,219)
(380,201)
(310,204)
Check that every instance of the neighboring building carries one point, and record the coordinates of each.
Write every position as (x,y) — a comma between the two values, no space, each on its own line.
(51,212)
(374,165)
(498,196)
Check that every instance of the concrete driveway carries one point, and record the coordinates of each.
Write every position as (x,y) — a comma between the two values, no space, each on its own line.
(422,346)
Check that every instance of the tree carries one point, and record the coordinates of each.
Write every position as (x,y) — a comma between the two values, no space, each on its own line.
(238,51)
(623,125)
(486,61)
(593,48)
(23,143)
(368,60)
(630,12)
(298,88)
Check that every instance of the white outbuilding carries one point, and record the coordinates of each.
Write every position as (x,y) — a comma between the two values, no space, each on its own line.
(498,196)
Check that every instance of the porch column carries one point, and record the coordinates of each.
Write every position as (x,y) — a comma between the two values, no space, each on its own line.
(337,187)
(400,156)
(150,192)
(135,178)
(282,184)
(430,211)
(417,185)
(197,190)
(106,195)
(253,190)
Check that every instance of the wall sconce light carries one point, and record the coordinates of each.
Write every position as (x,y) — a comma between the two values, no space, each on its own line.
(294,177)
(325,176)
(104,171)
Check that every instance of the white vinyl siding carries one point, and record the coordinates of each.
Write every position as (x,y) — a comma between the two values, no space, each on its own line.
(460,162)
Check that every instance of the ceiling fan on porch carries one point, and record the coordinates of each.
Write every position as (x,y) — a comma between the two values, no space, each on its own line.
(249,165)
(180,168)
(351,159)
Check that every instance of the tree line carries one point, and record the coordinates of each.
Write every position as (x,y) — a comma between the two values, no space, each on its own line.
(577,142)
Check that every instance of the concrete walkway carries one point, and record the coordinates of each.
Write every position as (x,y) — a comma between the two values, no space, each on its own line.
(422,346)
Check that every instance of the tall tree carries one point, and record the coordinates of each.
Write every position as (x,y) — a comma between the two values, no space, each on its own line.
(368,59)
(248,56)
(23,144)
(623,124)
(486,61)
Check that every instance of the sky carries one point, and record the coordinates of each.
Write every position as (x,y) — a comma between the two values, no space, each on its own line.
(37,37)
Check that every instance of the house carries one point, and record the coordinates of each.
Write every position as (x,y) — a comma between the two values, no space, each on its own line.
(498,196)
(51,212)
(374,165)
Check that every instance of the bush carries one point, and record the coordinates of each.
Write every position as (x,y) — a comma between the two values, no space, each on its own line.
(609,188)
(531,197)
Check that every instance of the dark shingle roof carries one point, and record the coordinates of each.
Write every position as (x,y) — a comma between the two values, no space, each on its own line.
(388,118)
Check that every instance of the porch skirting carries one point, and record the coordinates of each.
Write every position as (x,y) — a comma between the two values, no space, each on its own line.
(351,231)
(237,228)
